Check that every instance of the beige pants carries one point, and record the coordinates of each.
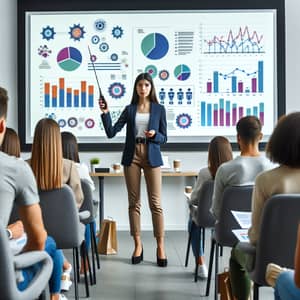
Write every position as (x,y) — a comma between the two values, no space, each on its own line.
(153,182)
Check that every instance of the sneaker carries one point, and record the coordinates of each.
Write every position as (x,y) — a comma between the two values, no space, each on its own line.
(65,282)
(202,271)
(62,297)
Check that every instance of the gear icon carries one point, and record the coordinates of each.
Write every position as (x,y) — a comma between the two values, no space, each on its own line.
(100,24)
(48,33)
(62,123)
(116,90)
(117,32)
(89,123)
(95,39)
(184,121)
(72,122)
(103,47)
(76,32)
(163,74)
(114,57)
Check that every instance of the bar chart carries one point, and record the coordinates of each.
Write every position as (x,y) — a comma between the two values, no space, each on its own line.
(237,81)
(61,95)
(227,113)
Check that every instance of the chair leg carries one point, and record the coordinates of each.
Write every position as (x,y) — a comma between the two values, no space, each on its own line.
(75,255)
(77,265)
(188,246)
(255,291)
(42,296)
(95,247)
(221,250)
(84,256)
(216,271)
(211,258)
(203,238)
(197,254)
(93,254)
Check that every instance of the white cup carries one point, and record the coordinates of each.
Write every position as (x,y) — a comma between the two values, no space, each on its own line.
(117,167)
(177,165)
(188,189)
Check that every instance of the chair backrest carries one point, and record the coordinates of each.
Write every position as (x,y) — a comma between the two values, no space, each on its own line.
(278,234)
(88,203)
(60,217)
(8,285)
(203,217)
(234,198)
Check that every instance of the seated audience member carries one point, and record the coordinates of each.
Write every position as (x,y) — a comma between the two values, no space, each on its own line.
(287,284)
(244,168)
(11,143)
(70,151)
(52,171)
(17,185)
(282,148)
(219,151)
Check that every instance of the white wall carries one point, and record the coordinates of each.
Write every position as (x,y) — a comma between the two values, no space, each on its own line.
(115,193)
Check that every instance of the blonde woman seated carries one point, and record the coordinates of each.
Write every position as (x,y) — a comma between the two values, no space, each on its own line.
(219,151)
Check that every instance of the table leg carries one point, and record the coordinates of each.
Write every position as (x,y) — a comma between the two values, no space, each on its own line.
(101,199)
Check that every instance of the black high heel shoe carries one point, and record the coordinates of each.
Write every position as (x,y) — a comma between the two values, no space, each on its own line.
(137,259)
(161,262)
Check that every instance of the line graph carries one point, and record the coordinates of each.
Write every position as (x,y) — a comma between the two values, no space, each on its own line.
(244,41)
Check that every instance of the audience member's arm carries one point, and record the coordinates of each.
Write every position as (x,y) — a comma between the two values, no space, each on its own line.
(297,260)
(258,202)
(197,188)
(16,229)
(31,217)
(217,195)
(75,184)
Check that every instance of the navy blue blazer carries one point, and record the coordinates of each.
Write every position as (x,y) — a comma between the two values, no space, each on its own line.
(157,122)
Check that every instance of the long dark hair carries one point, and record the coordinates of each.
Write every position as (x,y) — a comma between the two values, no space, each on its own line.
(135,96)
(219,151)
(284,144)
(69,146)
(11,143)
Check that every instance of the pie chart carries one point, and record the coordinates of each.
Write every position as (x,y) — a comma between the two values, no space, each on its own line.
(69,58)
(155,46)
(182,72)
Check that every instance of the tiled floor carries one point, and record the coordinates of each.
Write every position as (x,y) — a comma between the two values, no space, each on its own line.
(118,279)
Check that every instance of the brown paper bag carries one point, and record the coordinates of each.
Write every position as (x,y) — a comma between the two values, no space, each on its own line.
(107,243)
(224,287)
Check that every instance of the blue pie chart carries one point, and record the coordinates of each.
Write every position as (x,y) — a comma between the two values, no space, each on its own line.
(182,72)
(155,46)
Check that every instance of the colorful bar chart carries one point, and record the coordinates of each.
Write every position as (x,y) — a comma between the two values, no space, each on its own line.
(237,81)
(226,113)
(62,95)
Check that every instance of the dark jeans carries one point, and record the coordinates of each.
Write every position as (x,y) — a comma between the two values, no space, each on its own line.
(239,278)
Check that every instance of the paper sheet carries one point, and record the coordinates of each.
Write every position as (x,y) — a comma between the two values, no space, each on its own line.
(241,234)
(243,218)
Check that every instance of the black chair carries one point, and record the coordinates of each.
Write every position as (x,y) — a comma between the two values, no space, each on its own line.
(236,198)
(277,239)
(61,220)
(202,218)
(88,205)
